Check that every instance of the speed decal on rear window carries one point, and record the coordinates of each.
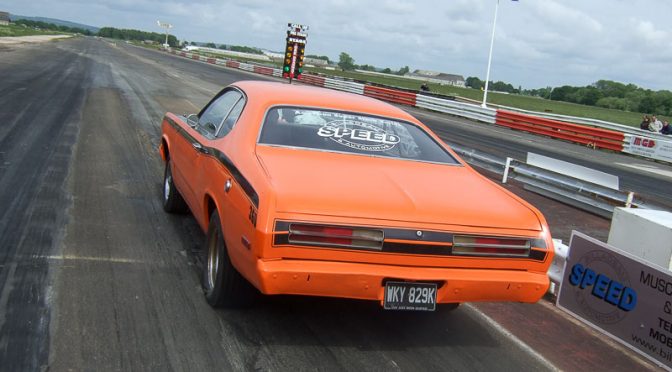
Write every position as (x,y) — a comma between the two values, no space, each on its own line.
(350,132)
(359,135)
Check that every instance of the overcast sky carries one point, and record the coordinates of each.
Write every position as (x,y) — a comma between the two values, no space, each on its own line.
(538,43)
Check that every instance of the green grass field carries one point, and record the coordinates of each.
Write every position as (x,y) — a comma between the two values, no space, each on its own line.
(511,100)
(16,30)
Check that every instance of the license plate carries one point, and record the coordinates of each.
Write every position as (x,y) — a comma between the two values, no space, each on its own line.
(410,296)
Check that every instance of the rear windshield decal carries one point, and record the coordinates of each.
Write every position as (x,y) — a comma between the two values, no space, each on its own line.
(352,133)
(358,135)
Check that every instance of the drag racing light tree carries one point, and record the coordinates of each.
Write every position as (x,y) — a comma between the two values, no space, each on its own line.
(492,42)
(294,51)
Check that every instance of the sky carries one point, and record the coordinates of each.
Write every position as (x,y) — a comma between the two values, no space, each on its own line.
(538,43)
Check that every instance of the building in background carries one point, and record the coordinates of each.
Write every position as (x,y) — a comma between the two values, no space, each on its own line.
(438,78)
(4,19)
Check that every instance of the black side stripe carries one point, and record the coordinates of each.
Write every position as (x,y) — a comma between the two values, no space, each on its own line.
(224,160)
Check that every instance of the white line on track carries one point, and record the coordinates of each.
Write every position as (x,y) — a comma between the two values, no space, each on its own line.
(491,322)
(92,259)
(648,168)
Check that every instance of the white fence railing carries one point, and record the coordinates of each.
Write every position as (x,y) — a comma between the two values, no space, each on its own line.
(346,86)
(466,110)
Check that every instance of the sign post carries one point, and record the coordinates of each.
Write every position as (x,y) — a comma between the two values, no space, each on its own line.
(292,67)
(620,295)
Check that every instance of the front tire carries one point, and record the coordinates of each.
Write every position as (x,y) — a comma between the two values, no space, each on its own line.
(222,283)
(172,199)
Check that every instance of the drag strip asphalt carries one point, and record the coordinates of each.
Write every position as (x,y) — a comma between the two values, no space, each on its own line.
(95,276)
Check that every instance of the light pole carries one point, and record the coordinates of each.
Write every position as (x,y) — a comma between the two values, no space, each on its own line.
(167,26)
(492,42)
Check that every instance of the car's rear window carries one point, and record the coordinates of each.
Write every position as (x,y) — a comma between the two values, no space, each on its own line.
(350,132)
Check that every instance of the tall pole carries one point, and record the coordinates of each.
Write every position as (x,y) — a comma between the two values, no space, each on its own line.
(492,42)
(167,26)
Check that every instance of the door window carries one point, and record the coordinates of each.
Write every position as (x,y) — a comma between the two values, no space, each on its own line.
(231,119)
(212,117)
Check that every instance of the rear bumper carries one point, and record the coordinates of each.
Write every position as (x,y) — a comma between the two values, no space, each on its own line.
(365,281)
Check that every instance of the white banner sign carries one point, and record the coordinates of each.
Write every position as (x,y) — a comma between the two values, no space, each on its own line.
(654,148)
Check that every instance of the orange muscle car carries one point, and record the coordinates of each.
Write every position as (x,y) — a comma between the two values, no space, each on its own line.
(309,191)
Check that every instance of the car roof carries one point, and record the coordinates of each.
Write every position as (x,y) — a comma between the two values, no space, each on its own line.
(269,93)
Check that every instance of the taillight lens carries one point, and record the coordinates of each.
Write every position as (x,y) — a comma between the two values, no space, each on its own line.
(348,237)
(490,246)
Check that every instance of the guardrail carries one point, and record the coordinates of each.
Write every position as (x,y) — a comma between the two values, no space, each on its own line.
(345,86)
(557,269)
(594,137)
(585,195)
(486,115)
(390,95)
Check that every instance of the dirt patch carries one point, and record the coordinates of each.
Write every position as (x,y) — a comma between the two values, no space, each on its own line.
(31,39)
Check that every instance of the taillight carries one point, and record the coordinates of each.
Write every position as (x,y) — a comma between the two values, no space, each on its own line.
(348,237)
(490,246)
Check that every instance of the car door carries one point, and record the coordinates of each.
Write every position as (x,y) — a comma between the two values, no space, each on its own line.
(192,161)
(235,197)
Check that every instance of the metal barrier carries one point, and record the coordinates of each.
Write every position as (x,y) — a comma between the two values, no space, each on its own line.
(594,137)
(390,95)
(584,121)
(345,86)
(474,112)
(585,195)
(557,269)
(246,67)
(263,70)
(312,80)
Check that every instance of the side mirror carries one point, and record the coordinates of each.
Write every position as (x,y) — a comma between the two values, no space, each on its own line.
(192,120)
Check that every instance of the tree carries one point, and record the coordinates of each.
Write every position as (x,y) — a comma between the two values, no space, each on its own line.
(590,96)
(124,34)
(324,58)
(387,70)
(403,71)
(474,82)
(211,45)
(562,93)
(345,62)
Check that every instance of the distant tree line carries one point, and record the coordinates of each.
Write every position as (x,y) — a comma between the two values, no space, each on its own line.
(126,34)
(324,58)
(234,48)
(51,26)
(241,49)
(603,93)
(347,63)
(499,86)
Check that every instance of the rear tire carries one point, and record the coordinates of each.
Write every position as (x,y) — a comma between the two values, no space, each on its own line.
(222,283)
(172,199)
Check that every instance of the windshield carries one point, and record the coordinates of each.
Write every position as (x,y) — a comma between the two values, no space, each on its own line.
(350,132)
